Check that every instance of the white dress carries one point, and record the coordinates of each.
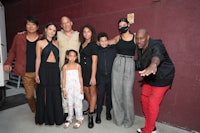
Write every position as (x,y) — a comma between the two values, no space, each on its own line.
(74,96)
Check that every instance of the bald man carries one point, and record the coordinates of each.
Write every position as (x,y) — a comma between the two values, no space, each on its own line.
(67,39)
(157,70)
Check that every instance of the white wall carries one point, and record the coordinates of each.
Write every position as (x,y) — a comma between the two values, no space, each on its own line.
(3,46)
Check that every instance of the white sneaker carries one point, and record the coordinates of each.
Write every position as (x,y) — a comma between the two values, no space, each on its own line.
(140,130)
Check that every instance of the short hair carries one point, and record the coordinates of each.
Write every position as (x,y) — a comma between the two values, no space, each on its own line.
(32,19)
(102,34)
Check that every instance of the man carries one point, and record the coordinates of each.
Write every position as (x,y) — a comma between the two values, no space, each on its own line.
(23,51)
(67,39)
(157,69)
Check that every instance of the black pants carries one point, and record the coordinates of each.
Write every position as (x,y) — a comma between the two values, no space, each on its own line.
(104,89)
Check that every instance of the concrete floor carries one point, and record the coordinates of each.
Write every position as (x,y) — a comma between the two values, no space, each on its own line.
(20,120)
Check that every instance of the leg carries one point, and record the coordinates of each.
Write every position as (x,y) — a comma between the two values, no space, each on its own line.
(30,85)
(100,99)
(108,99)
(146,92)
(70,112)
(87,93)
(127,92)
(154,104)
(93,98)
(78,112)
(117,102)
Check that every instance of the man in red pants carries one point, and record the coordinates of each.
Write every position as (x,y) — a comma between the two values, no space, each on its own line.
(157,70)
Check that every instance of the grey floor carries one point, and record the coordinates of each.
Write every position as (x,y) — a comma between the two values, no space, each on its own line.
(20,120)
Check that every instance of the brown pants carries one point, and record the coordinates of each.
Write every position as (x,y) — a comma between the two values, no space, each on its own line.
(30,85)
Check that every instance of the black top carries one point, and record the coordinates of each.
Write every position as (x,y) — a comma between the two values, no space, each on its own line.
(47,50)
(86,61)
(165,70)
(30,55)
(106,57)
(126,47)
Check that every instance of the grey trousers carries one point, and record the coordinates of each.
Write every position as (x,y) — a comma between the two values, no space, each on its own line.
(123,75)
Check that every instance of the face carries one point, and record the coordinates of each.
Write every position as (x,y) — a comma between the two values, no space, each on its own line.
(142,39)
(103,42)
(31,27)
(66,24)
(123,24)
(50,31)
(87,33)
(72,56)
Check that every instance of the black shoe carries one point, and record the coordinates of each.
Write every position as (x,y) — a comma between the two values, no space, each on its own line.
(85,112)
(90,120)
(108,116)
(98,119)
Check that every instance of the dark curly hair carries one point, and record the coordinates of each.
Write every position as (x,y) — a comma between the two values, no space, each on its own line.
(91,28)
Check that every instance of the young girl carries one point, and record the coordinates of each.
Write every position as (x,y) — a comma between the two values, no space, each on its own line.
(88,61)
(72,87)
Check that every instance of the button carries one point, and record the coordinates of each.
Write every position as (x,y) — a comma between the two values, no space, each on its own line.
(84,57)
(84,62)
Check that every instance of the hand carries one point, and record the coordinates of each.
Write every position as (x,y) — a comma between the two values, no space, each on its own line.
(82,91)
(152,69)
(64,93)
(7,68)
(92,81)
(37,79)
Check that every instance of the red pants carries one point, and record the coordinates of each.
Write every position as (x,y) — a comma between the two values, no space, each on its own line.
(151,98)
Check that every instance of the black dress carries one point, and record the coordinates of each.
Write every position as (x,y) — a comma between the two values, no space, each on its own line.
(86,61)
(49,102)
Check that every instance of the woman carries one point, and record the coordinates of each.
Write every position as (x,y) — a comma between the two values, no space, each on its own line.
(88,61)
(123,74)
(49,105)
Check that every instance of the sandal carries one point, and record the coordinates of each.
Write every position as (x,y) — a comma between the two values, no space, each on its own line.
(77,124)
(67,124)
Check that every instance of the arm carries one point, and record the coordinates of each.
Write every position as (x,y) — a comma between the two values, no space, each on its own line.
(94,70)
(80,78)
(64,81)
(114,40)
(11,56)
(38,61)
(152,68)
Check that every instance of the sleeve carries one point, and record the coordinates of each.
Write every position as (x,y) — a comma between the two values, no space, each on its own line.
(12,51)
(158,51)
(94,49)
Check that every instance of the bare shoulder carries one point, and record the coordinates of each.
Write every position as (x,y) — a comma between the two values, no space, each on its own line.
(79,66)
(41,43)
(55,42)
(64,67)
